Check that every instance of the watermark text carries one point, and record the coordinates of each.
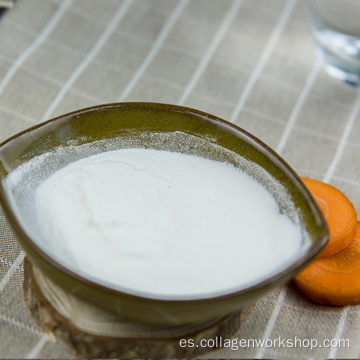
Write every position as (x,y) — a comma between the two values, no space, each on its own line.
(238,343)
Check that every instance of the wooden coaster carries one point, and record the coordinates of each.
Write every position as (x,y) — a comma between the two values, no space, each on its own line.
(92,343)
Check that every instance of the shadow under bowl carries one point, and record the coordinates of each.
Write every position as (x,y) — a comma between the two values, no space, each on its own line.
(186,130)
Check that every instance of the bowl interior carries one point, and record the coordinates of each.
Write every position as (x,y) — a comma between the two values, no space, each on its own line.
(158,126)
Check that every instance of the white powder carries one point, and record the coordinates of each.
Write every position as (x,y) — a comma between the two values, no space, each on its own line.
(164,223)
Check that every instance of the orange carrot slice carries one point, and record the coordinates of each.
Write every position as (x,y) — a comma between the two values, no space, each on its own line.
(336,279)
(339,213)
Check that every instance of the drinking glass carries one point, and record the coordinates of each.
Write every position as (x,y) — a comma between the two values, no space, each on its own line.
(335,25)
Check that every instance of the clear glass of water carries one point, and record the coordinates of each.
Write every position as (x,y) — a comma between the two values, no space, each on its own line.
(335,25)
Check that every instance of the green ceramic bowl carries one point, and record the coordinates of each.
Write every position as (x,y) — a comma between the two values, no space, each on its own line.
(182,129)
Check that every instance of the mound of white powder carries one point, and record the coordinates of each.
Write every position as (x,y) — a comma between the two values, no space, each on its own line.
(164,223)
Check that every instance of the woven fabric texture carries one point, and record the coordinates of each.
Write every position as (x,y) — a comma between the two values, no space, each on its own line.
(251,62)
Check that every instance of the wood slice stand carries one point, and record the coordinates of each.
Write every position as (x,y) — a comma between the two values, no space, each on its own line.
(92,343)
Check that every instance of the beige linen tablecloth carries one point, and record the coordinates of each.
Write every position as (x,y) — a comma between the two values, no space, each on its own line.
(250,62)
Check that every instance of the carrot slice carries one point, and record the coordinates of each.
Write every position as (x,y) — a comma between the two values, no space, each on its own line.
(339,213)
(336,279)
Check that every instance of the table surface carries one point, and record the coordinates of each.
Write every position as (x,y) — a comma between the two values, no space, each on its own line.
(251,62)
